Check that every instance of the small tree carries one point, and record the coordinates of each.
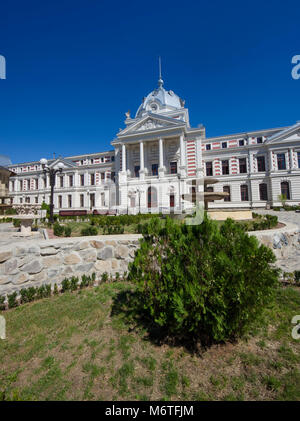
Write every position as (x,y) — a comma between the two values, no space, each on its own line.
(203,280)
(282,198)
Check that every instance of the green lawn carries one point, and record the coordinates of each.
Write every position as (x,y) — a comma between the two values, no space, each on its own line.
(74,347)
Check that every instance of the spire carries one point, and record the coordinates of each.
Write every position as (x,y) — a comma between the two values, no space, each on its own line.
(160,81)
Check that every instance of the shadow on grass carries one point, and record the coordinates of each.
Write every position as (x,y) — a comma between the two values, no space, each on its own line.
(129,304)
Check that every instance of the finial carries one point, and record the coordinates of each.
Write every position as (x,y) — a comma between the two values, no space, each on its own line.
(160,81)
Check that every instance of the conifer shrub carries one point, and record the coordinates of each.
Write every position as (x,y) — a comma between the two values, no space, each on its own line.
(67,231)
(2,305)
(90,230)
(58,229)
(12,300)
(203,281)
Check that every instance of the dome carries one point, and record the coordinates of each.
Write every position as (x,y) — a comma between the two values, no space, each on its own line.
(4,161)
(160,100)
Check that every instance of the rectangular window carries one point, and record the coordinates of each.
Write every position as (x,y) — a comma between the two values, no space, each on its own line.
(154,169)
(225,167)
(61,179)
(261,165)
(82,179)
(263,191)
(281,161)
(92,200)
(102,176)
(112,159)
(172,200)
(92,161)
(82,200)
(208,147)
(224,145)
(27,199)
(241,142)
(136,170)
(36,184)
(226,189)
(243,165)
(92,179)
(70,200)
(59,202)
(259,140)
(13,186)
(209,168)
(173,167)
(36,199)
(298,156)
(71,180)
(244,193)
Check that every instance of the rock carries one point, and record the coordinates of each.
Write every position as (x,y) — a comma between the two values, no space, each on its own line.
(121,252)
(33,250)
(51,273)
(33,267)
(284,239)
(85,267)
(4,280)
(110,243)
(103,266)
(20,279)
(106,253)
(5,255)
(19,251)
(114,264)
(97,244)
(72,259)
(83,245)
(276,242)
(11,267)
(51,261)
(48,251)
(89,255)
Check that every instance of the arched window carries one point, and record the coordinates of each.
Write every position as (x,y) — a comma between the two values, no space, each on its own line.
(263,191)
(226,189)
(152,197)
(244,193)
(285,189)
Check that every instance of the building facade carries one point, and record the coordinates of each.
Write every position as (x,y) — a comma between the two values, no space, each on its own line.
(154,157)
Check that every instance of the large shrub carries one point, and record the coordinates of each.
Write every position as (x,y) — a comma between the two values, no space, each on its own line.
(204,281)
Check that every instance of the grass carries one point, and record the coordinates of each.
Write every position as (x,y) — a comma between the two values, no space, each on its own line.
(74,347)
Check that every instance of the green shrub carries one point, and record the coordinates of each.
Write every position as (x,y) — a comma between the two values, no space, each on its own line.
(65,285)
(67,231)
(58,230)
(74,283)
(2,305)
(55,289)
(104,277)
(12,300)
(10,211)
(90,230)
(17,223)
(297,276)
(206,281)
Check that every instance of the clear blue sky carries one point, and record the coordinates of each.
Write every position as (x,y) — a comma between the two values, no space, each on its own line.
(75,67)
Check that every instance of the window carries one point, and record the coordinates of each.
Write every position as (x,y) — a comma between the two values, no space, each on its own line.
(92,200)
(71,180)
(113,176)
(61,179)
(82,179)
(281,161)
(298,156)
(172,200)
(285,189)
(224,145)
(243,165)
(102,176)
(226,189)
(259,140)
(12,186)
(36,199)
(209,168)
(244,193)
(208,147)
(36,181)
(81,162)
(59,202)
(261,165)
(209,189)
(21,200)
(92,179)
(152,197)
(82,200)
(154,169)
(225,167)
(92,161)
(241,142)
(136,170)
(263,191)
(27,199)
(112,159)
(173,167)
(70,200)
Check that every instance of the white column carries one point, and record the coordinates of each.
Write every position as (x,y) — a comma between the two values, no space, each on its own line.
(271,161)
(123,158)
(291,159)
(141,156)
(161,153)
(182,151)
(199,169)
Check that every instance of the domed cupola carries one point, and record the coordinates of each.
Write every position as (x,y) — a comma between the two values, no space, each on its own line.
(160,101)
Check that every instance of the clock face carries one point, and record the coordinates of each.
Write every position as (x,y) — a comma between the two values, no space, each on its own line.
(153,107)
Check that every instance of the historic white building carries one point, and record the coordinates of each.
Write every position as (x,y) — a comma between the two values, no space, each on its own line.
(156,154)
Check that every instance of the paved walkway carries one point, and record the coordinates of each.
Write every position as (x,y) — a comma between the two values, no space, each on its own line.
(283,216)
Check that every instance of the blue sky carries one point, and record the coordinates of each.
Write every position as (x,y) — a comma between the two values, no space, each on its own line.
(75,67)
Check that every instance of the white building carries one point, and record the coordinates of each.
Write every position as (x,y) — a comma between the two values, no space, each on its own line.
(156,154)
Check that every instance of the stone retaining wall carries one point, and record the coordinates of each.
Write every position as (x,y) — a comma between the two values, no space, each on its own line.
(43,262)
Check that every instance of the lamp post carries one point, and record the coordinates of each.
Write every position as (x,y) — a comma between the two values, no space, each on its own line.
(52,172)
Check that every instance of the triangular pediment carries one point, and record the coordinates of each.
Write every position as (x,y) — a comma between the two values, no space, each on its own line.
(61,161)
(290,134)
(151,122)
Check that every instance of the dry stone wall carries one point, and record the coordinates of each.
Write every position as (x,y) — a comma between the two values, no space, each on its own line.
(47,262)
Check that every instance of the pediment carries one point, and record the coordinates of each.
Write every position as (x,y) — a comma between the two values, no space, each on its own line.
(66,163)
(151,122)
(291,134)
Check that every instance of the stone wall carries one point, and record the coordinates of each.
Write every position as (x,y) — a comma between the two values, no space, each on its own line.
(26,264)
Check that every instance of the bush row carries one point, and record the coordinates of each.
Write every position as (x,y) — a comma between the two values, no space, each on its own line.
(68,284)
(60,230)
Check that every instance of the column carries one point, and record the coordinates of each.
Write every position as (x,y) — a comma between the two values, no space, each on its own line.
(199,169)
(161,153)
(291,158)
(141,156)
(270,161)
(182,157)
(123,157)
